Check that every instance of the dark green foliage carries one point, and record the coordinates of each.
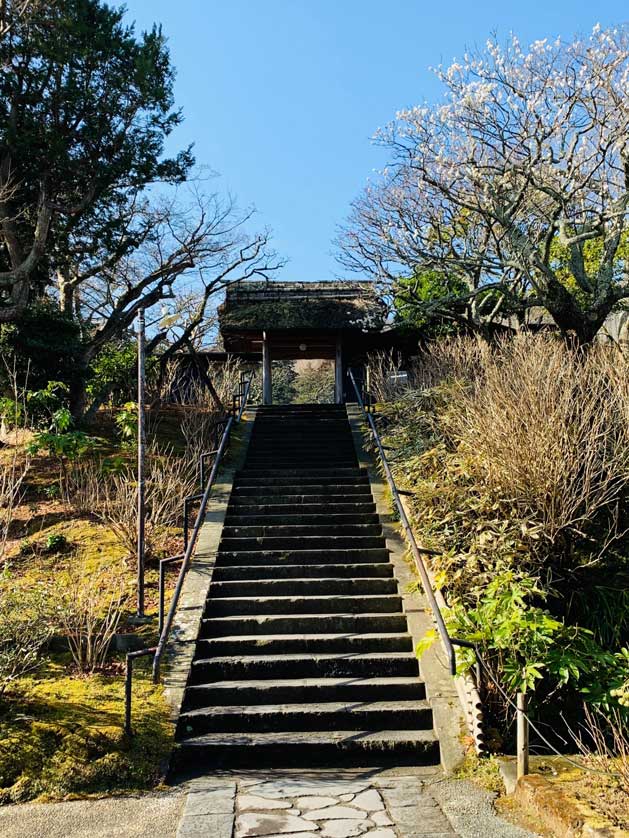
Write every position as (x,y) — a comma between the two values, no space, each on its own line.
(113,372)
(45,345)
(315,385)
(284,381)
(429,301)
(83,121)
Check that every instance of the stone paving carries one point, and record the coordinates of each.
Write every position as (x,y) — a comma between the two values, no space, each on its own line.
(339,805)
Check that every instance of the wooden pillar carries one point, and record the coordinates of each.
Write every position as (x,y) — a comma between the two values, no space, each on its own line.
(267,381)
(338,371)
(522,744)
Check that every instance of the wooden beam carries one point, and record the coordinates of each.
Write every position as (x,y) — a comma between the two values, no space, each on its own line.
(267,381)
(338,371)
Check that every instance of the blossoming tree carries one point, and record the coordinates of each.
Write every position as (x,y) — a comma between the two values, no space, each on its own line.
(515,187)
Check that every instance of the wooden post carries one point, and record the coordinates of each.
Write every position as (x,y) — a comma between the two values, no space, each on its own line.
(338,371)
(141,478)
(267,382)
(522,746)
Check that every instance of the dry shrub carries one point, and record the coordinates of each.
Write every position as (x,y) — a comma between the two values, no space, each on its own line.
(91,602)
(15,464)
(83,486)
(455,359)
(12,476)
(385,379)
(199,420)
(168,482)
(602,739)
(226,378)
(541,426)
(26,626)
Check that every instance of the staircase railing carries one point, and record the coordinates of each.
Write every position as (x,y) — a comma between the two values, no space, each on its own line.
(165,624)
(364,398)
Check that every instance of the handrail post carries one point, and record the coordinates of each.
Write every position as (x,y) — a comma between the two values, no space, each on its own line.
(162,588)
(128,693)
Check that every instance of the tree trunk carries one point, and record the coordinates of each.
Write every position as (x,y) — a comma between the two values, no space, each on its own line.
(66,295)
(78,387)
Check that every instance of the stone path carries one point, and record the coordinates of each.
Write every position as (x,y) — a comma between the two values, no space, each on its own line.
(333,804)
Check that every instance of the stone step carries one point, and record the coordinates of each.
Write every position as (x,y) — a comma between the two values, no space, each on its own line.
(195,755)
(290,644)
(231,606)
(300,472)
(328,440)
(303,542)
(229,558)
(292,463)
(303,656)
(246,519)
(367,664)
(283,441)
(328,500)
(302,587)
(301,489)
(299,483)
(291,624)
(314,420)
(334,715)
(302,571)
(301,508)
(304,690)
(305,530)
(287,444)
(326,429)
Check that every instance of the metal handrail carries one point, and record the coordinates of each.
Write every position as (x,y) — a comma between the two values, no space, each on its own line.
(165,626)
(187,558)
(446,641)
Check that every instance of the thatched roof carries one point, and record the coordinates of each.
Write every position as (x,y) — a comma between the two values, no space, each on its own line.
(320,306)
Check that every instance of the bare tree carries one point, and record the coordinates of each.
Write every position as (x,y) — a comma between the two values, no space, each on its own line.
(518,182)
(173,251)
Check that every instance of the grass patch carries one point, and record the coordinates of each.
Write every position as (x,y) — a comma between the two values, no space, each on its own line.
(61,737)
(481,770)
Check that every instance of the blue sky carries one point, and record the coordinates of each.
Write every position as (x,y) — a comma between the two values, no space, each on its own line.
(281,97)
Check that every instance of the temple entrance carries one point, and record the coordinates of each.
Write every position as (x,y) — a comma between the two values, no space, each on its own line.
(315,330)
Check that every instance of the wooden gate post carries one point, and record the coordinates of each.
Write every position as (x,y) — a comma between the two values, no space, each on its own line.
(267,382)
(338,371)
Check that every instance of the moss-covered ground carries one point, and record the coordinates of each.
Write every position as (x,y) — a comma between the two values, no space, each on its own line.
(61,735)
(61,732)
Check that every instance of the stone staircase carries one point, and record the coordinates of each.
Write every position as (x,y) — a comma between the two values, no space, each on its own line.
(303,657)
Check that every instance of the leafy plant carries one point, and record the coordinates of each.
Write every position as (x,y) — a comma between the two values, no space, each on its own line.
(127,421)
(64,446)
(11,412)
(47,407)
(56,543)
(111,372)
